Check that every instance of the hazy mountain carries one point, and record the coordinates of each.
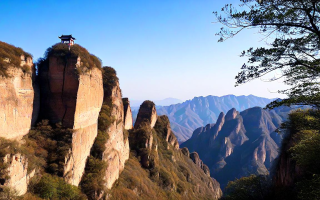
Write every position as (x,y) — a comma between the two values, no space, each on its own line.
(189,115)
(164,102)
(239,144)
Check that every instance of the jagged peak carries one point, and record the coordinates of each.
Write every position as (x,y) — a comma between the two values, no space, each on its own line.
(231,114)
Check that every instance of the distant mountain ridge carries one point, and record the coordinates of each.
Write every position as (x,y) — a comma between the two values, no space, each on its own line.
(187,116)
(239,144)
(163,102)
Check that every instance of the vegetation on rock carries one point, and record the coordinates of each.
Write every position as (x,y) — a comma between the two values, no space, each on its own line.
(93,182)
(61,50)
(11,56)
(170,174)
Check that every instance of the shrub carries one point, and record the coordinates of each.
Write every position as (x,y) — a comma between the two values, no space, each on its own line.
(47,147)
(93,183)
(247,188)
(54,187)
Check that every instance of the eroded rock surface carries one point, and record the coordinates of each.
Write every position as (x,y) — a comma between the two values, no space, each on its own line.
(16,102)
(147,114)
(117,147)
(17,171)
(75,100)
(127,114)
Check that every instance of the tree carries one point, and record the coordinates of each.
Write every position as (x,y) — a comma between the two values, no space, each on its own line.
(293,26)
(247,188)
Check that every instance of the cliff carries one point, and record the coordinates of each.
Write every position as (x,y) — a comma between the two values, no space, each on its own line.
(157,169)
(127,114)
(16,114)
(72,93)
(238,144)
(116,151)
(17,94)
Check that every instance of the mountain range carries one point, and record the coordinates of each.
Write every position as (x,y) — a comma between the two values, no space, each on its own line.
(239,143)
(187,116)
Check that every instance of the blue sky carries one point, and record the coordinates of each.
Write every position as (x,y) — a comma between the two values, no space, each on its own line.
(159,48)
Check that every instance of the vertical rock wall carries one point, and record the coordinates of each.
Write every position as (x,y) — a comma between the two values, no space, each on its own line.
(117,147)
(16,103)
(16,114)
(75,100)
(127,114)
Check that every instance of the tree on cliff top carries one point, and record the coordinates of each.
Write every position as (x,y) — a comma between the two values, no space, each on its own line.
(293,25)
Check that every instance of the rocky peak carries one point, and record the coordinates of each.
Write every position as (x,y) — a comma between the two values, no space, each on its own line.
(147,114)
(72,94)
(196,159)
(231,114)
(127,114)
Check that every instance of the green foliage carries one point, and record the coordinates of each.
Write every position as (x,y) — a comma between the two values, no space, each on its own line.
(247,188)
(7,193)
(302,146)
(54,187)
(294,28)
(47,147)
(13,54)
(93,183)
(61,50)
(110,79)
(306,151)
(309,188)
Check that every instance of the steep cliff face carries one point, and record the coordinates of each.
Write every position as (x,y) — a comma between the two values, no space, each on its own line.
(117,146)
(127,114)
(88,105)
(16,112)
(16,101)
(74,99)
(238,144)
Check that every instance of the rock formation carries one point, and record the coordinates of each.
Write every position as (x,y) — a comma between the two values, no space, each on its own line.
(16,101)
(127,114)
(147,114)
(16,111)
(196,159)
(155,149)
(164,124)
(75,100)
(117,147)
(17,171)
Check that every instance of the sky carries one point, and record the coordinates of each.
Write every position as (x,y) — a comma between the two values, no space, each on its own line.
(159,48)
